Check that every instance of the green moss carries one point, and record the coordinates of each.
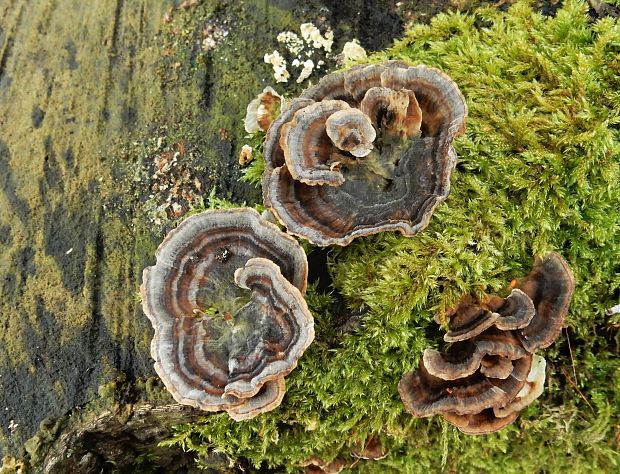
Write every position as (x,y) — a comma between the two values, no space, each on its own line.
(539,169)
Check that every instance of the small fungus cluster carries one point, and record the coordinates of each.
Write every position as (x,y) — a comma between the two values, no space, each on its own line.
(226,300)
(364,151)
(490,372)
(371,450)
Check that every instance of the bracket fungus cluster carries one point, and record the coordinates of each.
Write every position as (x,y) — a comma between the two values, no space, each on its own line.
(364,151)
(490,372)
(226,300)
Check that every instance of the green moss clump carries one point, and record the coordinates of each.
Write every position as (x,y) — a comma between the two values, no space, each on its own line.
(539,169)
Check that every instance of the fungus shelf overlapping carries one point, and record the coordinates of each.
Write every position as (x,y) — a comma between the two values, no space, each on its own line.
(226,301)
(491,372)
(364,151)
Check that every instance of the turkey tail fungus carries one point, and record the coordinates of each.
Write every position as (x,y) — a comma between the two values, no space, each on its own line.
(364,151)
(226,301)
(490,372)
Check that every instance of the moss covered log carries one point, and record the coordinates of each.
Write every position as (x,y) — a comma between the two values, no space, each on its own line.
(92,110)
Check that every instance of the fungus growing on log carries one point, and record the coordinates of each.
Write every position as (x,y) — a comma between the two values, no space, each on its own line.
(490,372)
(372,449)
(495,366)
(550,286)
(484,422)
(305,143)
(226,301)
(426,395)
(364,151)
(465,357)
(316,465)
(351,131)
(494,419)
(516,312)
(469,320)
(533,388)
(263,110)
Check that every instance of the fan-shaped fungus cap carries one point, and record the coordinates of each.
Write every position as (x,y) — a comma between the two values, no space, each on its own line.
(496,418)
(307,146)
(373,449)
(465,357)
(350,130)
(484,422)
(456,383)
(286,329)
(226,301)
(398,184)
(425,395)
(516,312)
(273,153)
(316,465)
(533,388)
(495,367)
(263,110)
(268,397)
(550,285)
(469,320)
(397,112)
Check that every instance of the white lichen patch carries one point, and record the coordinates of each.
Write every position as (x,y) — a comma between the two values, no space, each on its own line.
(279,66)
(308,67)
(291,41)
(306,53)
(312,36)
(212,35)
(352,51)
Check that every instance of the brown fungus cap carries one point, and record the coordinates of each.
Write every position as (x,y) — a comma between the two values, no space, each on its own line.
(516,312)
(272,152)
(468,320)
(286,329)
(533,388)
(464,358)
(425,395)
(454,384)
(263,110)
(307,147)
(372,449)
(397,112)
(397,186)
(550,285)
(274,155)
(330,87)
(226,301)
(495,367)
(484,422)
(268,397)
(316,465)
(351,131)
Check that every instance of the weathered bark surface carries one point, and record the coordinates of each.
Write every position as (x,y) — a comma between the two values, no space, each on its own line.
(73,77)
(118,438)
